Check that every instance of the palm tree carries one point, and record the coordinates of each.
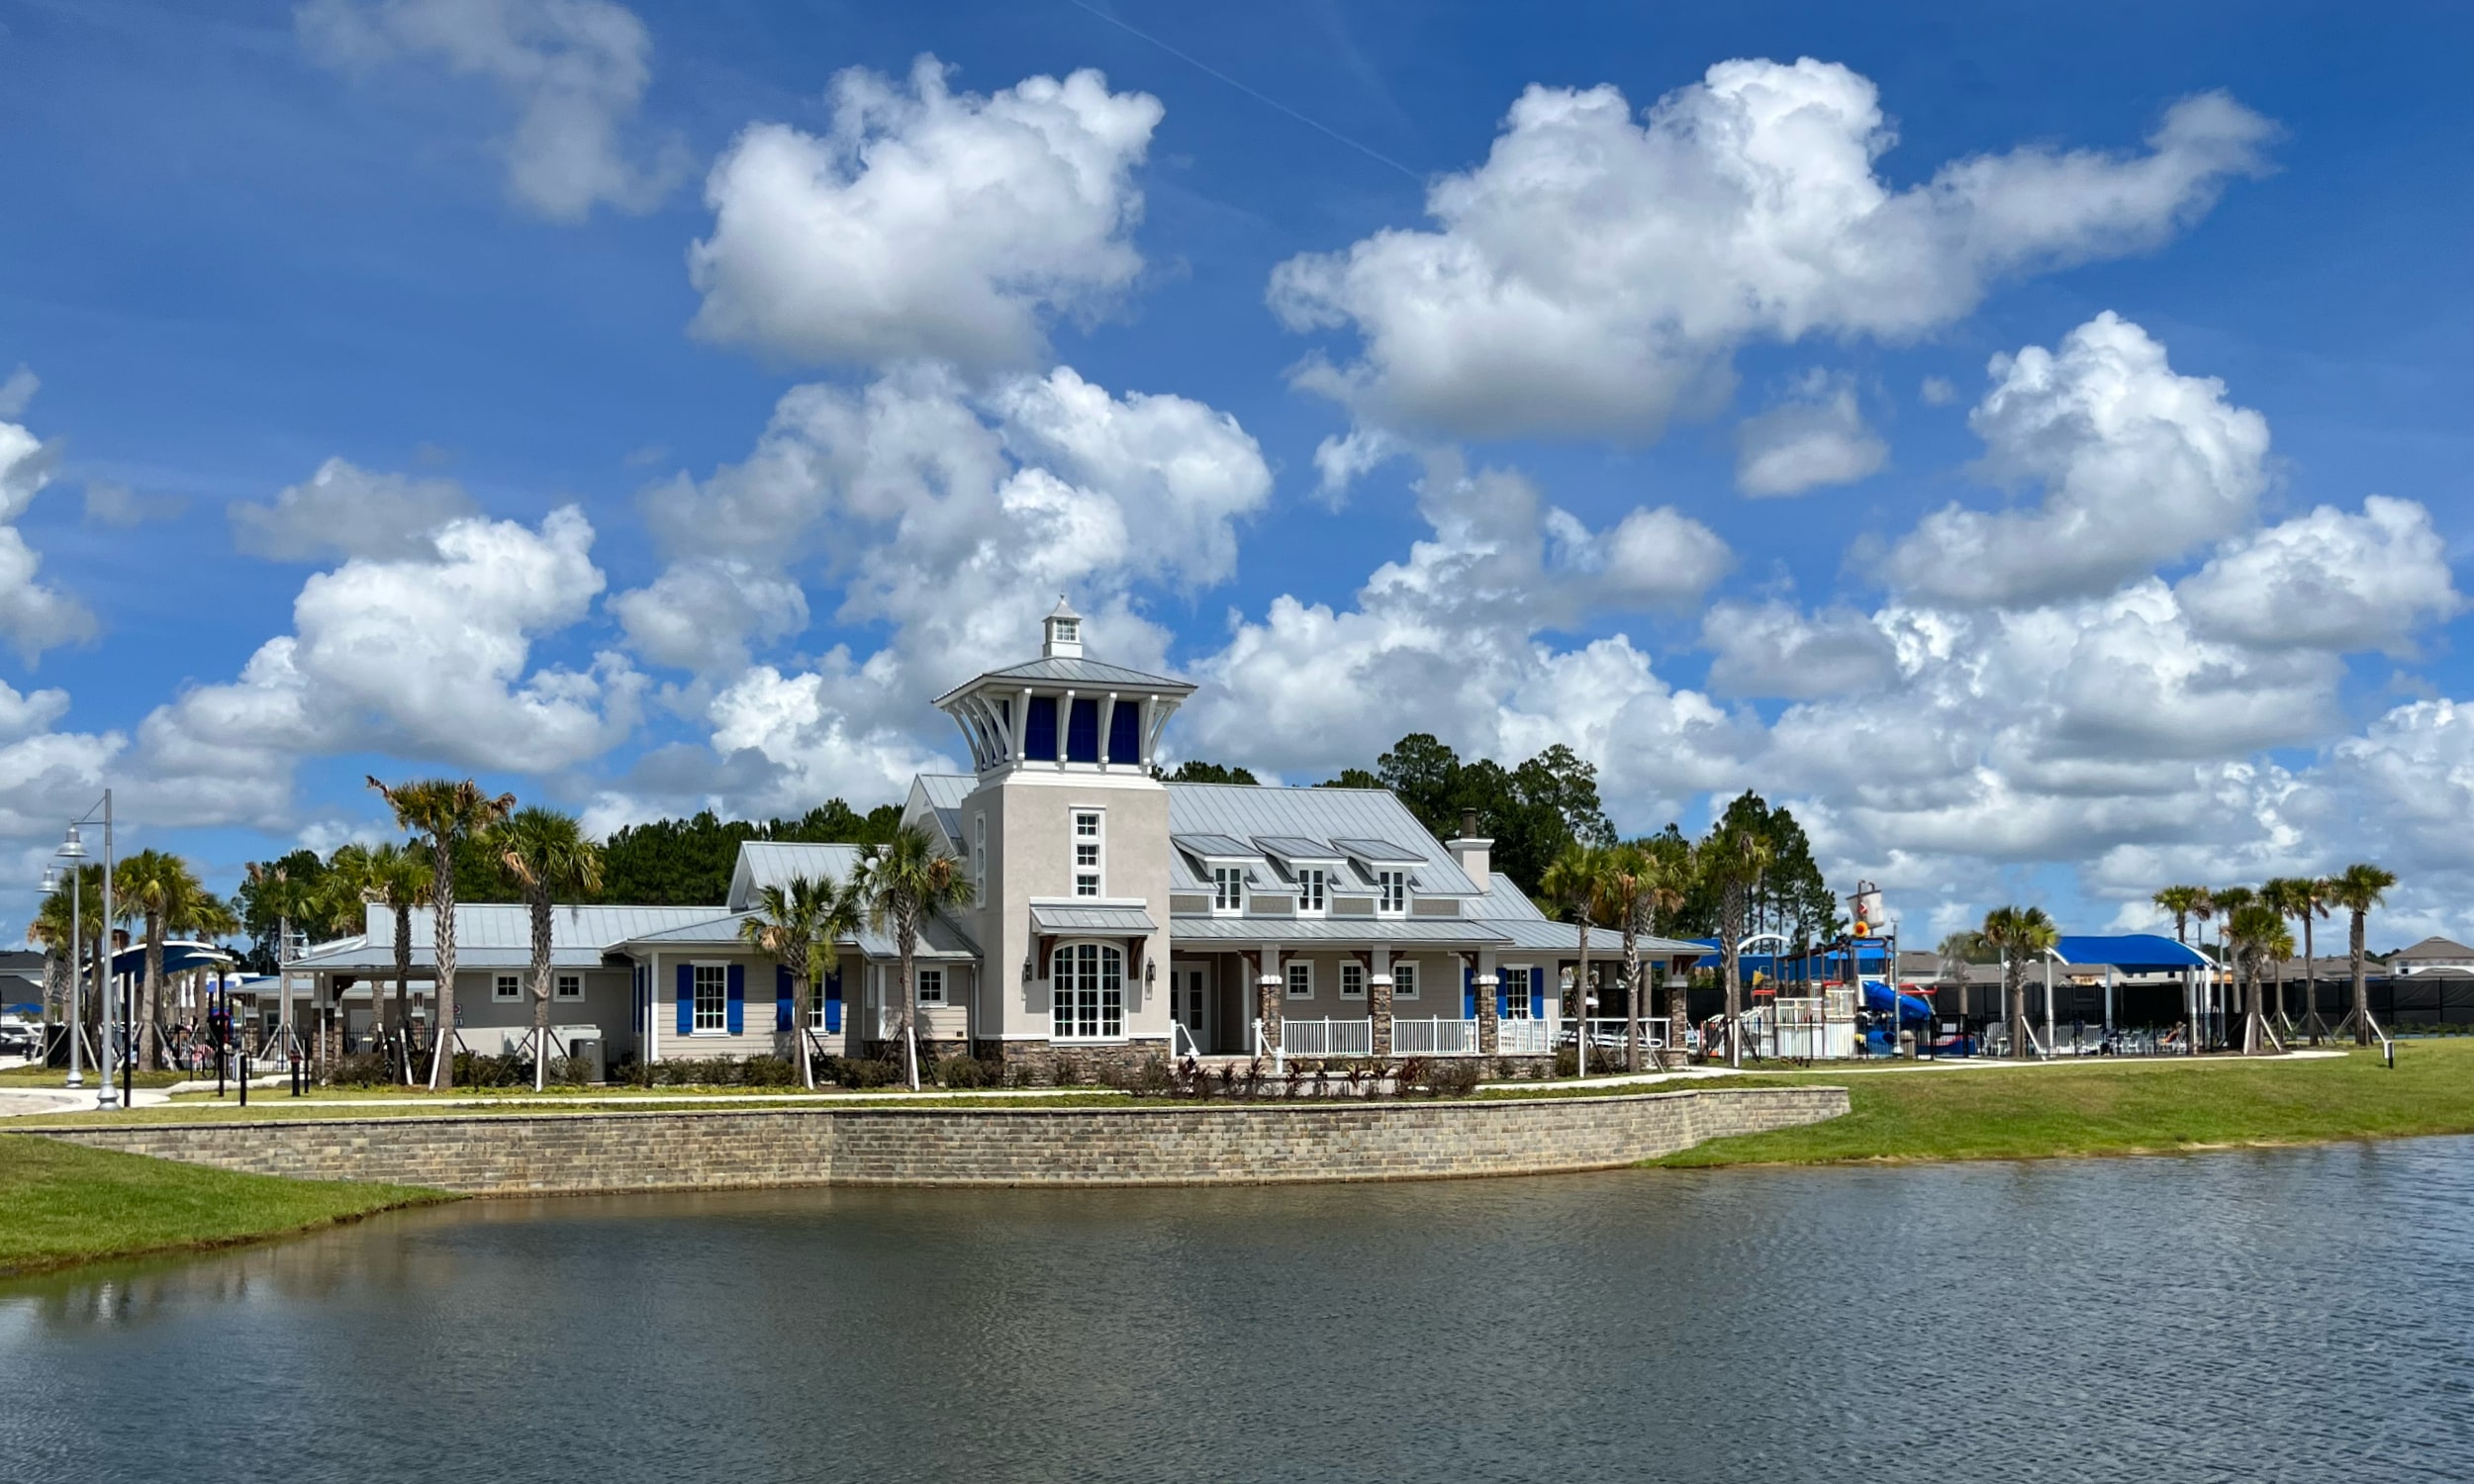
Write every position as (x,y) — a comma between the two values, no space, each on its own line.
(2291,896)
(1578,879)
(2183,903)
(445,810)
(1737,857)
(903,882)
(2253,928)
(1641,889)
(2314,900)
(2358,888)
(550,856)
(153,887)
(2018,934)
(801,923)
(399,881)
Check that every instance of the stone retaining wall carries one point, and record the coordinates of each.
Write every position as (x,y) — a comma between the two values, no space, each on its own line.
(507,1154)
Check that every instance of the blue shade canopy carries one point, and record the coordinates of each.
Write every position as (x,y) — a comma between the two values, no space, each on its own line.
(179,957)
(2138,953)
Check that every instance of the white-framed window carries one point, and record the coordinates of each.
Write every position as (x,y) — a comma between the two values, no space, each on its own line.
(506,986)
(1311,891)
(978,856)
(1069,630)
(569,986)
(1515,991)
(1228,888)
(1090,857)
(1301,979)
(1089,992)
(815,1006)
(1352,980)
(1392,894)
(1404,978)
(712,997)
(931,986)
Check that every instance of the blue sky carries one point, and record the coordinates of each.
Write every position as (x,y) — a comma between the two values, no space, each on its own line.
(454,247)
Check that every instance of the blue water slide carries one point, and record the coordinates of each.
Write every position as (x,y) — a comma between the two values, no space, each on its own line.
(1913,1009)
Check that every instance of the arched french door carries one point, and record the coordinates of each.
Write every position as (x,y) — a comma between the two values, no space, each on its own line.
(1089,984)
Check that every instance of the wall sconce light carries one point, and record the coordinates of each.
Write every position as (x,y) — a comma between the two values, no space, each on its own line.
(1026,969)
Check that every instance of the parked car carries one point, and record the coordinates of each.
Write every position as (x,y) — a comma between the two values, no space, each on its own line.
(16,1041)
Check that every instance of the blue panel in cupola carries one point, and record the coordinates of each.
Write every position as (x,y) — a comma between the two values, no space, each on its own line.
(1082,732)
(1126,733)
(1039,729)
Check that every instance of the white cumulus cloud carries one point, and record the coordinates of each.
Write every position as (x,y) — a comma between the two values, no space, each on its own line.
(1814,436)
(574,70)
(2139,465)
(34,616)
(1595,275)
(926,222)
(2329,580)
(343,509)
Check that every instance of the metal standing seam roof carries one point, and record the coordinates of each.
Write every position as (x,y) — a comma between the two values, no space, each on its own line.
(1075,671)
(938,939)
(774,863)
(1379,851)
(1338,929)
(1054,917)
(1216,847)
(1245,811)
(1288,848)
(488,925)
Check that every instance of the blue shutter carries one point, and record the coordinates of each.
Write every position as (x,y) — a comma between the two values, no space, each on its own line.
(1537,993)
(1468,993)
(686,999)
(780,997)
(834,1002)
(738,998)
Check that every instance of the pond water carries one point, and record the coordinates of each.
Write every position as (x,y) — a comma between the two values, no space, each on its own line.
(2300,1315)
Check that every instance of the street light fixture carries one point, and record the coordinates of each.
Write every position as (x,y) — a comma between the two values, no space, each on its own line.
(72,850)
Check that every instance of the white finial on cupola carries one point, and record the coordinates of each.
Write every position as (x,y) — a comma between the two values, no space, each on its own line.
(1063,632)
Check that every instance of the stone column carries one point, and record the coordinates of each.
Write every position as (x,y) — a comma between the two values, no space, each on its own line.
(1489,1033)
(1268,988)
(1379,999)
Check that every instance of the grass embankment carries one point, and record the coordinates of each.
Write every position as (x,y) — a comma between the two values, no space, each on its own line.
(60,1204)
(2115,1107)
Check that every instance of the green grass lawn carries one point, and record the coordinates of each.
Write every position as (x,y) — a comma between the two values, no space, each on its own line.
(54,1077)
(61,1204)
(2115,1107)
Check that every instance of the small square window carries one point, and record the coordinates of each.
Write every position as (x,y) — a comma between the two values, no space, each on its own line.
(1300,980)
(570,986)
(1228,888)
(1353,982)
(506,986)
(931,986)
(1404,980)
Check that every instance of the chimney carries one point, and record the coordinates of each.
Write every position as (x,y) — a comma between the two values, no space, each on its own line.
(1470,851)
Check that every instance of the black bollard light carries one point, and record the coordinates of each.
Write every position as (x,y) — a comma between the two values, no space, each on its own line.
(245,1079)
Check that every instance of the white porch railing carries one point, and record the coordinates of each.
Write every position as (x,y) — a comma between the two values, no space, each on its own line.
(1434,1038)
(1327,1038)
(1525,1038)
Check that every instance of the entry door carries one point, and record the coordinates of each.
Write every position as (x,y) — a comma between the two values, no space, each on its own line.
(1193,1003)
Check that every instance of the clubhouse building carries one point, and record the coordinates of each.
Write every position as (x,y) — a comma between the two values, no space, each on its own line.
(1115,918)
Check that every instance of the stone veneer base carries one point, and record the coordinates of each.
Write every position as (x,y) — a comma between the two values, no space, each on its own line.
(1308,1141)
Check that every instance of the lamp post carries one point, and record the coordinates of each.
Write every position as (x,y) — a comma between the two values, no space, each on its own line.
(73,850)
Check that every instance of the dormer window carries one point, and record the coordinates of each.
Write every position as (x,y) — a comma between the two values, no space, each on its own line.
(1228,889)
(1392,894)
(1311,891)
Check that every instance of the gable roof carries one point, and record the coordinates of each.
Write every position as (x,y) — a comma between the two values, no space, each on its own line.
(498,935)
(2434,947)
(772,863)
